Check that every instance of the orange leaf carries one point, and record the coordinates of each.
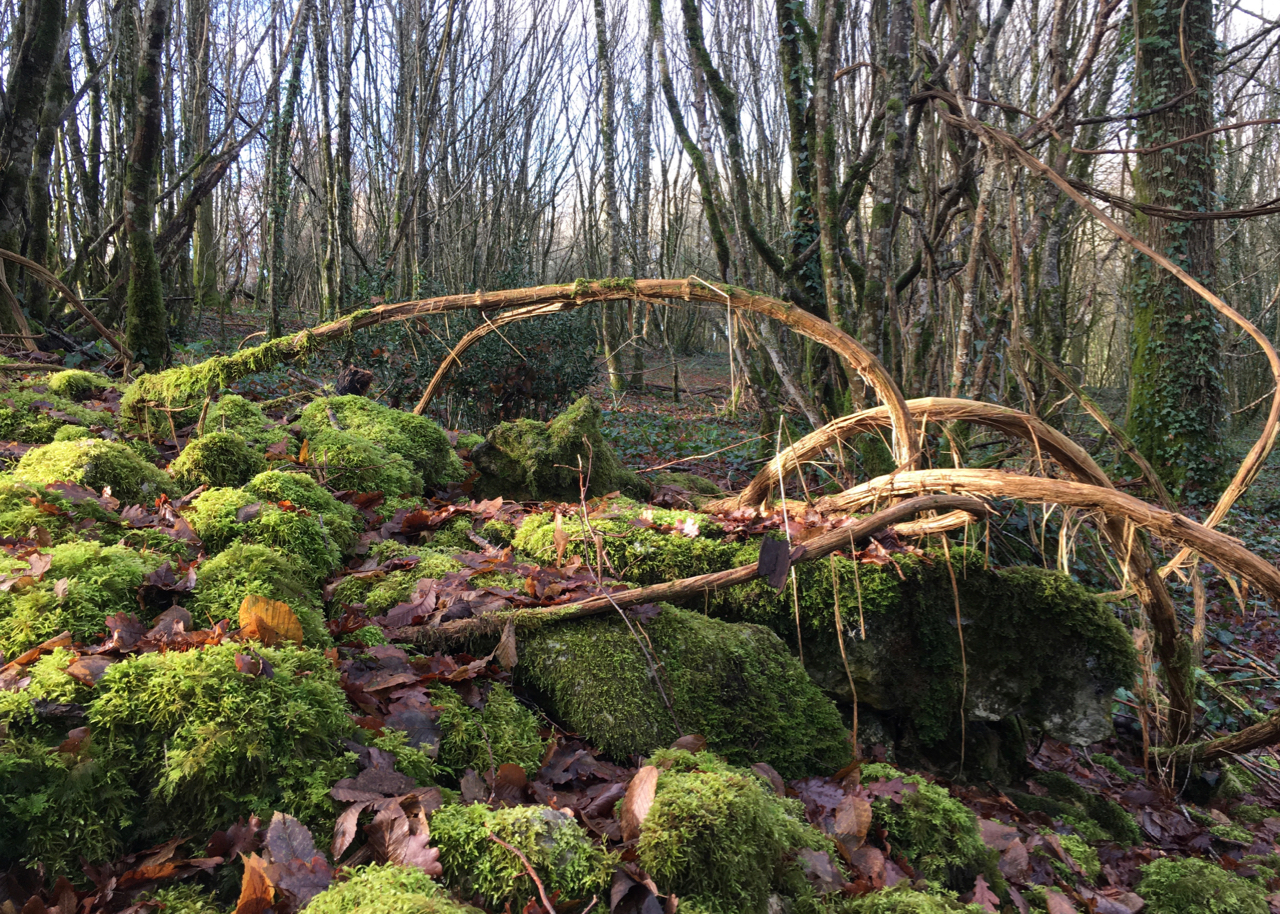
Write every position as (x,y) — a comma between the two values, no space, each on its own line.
(256,891)
(304,452)
(281,623)
(636,802)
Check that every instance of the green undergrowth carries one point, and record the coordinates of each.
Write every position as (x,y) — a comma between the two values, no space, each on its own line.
(737,685)
(414,438)
(77,385)
(49,683)
(385,889)
(185,898)
(1189,885)
(904,899)
(341,521)
(505,731)
(1092,817)
(558,849)
(216,459)
(26,509)
(249,569)
(101,581)
(96,464)
(720,837)
(29,416)
(936,833)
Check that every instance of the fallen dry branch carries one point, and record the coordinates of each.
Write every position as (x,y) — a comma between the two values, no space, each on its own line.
(821,545)
(46,277)
(1257,736)
(1224,551)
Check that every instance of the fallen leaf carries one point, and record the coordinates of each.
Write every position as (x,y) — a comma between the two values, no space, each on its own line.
(983,896)
(694,742)
(820,871)
(1057,903)
(282,620)
(637,801)
(505,652)
(256,891)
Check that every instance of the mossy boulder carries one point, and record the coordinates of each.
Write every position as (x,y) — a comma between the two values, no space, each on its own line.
(77,385)
(530,460)
(937,833)
(26,510)
(299,490)
(560,851)
(719,836)
(1037,644)
(737,685)
(503,732)
(34,416)
(200,741)
(100,581)
(222,517)
(386,889)
(250,569)
(350,461)
(1189,885)
(216,459)
(1093,817)
(98,465)
(414,438)
(233,413)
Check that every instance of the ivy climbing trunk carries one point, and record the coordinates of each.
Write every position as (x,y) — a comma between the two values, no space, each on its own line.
(146,324)
(1175,392)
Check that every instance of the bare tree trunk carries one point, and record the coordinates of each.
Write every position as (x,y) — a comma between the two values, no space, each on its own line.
(146,322)
(610,330)
(204,266)
(38,191)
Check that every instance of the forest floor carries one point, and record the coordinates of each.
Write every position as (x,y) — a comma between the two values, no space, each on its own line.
(1042,832)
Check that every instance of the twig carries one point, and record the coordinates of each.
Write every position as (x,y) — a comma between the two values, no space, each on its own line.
(542,892)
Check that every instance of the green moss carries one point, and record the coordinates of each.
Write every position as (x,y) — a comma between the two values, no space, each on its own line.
(735,684)
(381,592)
(233,413)
(415,438)
(216,459)
(937,833)
(1232,833)
(468,441)
(73,433)
(77,385)
(410,761)
(634,549)
(296,533)
(530,460)
(903,899)
(1108,814)
(201,744)
(101,581)
(1252,814)
(1236,781)
(1084,856)
(97,464)
(35,416)
(186,898)
(559,850)
(385,889)
(718,835)
(350,461)
(1188,885)
(246,569)
(49,682)
(504,732)
(26,509)
(341,520)
(698,485)
(1102,760)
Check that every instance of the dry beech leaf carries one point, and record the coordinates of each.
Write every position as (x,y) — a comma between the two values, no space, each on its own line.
(256,891)
(506,649)
(694,742)
(637,800)
(282,622)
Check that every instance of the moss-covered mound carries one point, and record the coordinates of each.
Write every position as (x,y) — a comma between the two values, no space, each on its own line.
(1092,817)
(380,592)
(34,416)
(49,683)
(77,385)
(97,464)
(246,569)
(222,517)
(936,833)
(530,460)
(559,850)
(73,433)
(386,889)
(100,581)
(735,684)
(1189,885)
(719,836)
(505,731)
(903,899)
(301,491)
(200,743)
(216,459)
(414,438)
(233,413)
(350,461)
(27,509)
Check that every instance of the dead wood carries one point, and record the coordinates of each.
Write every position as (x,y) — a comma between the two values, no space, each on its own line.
(821,545)
(46,277)
(1257,736)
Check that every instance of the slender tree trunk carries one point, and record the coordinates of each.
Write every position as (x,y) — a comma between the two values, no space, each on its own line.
(204,265)
(611,331)
(146,322)
(345,234)
(38,190)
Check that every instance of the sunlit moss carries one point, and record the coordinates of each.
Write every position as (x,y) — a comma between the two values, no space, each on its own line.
(504,732)
(216,459)
(246,569)
(77,385)
(96,464)
(386,889)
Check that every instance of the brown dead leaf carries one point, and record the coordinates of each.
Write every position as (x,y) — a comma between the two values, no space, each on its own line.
(637,801)
(1057,903)
(281,622)
(505,652)
(694,742)
(853,818)
(983,896)
(256,891)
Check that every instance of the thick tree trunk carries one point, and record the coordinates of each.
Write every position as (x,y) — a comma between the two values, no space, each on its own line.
(146,322)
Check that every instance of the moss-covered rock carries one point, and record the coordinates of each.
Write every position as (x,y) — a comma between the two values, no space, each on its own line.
(350,461)
(903,899)
(200,743)
(505,731)
(341,521)
(296,533)
(96,464)
(414,438)
(735,684)
(49,683)
(719,836)
(35,416)
(233,413)
(1189,885)
(77,385)
(936,833)
(246,569)
(386,889)
(559,850)
(216,459)
(26,510)
(530,460)
(100,581)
